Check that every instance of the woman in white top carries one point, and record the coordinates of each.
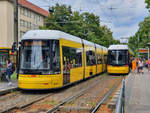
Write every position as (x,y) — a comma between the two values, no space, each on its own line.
(140,64)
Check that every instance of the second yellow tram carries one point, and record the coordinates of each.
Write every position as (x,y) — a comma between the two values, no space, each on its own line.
(118,59)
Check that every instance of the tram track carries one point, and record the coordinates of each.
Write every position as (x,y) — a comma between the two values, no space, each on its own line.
(20,100)
(106,97)
(62,105)
(72,97)
(57,109)
(66,96)
(17,100)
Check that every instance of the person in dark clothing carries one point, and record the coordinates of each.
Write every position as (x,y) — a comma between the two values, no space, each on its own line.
(130,63)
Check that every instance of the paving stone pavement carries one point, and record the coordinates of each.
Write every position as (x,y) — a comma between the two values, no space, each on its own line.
(4,87)
(137,93)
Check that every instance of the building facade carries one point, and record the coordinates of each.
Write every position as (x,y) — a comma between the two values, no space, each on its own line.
(6,23)
(30,17)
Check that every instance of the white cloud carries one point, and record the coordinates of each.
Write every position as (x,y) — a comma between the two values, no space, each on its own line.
(124,15)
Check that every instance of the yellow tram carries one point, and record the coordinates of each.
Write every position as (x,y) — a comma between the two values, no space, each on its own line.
(118,59)
(53,59)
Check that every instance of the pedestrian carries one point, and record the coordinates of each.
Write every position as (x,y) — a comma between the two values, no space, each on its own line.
(149,65)
(140,66)
(130,64)
(146,64)
(8,71)
(133,65)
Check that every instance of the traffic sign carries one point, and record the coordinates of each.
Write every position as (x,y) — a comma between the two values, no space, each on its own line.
(143,50)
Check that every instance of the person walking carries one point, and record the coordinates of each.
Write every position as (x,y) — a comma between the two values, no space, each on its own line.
(149,65)
(130,64)
(8,71)
(133,65)
(140,66)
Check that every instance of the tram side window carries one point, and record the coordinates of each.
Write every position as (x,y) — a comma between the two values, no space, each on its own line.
(72,57)
(55,56)
(90,58)
(105,59)
(99,59)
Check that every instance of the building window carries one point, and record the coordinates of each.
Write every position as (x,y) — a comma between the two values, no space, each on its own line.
(25,24)
(30,25)
(21,33)
(28,13)
(34,16)
(21,11)
(24,11)
(21,22)
(38,18)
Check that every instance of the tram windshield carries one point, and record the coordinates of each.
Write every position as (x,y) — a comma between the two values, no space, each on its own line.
(40,57)
(118,57)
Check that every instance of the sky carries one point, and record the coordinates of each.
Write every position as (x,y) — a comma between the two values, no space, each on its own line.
(121,16)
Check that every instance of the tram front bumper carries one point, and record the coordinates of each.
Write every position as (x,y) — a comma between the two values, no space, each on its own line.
(39,82)
(118,69)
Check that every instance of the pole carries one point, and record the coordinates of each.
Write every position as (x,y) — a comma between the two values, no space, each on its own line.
(16,37)
(138,46)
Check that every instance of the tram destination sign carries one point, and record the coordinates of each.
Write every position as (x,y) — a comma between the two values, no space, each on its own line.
(143,50)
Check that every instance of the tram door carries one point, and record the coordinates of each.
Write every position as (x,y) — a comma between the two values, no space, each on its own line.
(66,73)
(66,65)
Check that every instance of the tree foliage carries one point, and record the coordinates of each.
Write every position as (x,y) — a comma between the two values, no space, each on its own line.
(143,33)
(86,25)
(148,4)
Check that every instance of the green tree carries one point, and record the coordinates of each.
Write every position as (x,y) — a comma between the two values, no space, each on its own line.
(144,35)
(85,25)
(148,3)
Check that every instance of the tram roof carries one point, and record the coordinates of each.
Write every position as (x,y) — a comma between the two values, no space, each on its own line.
(56,34)
(49,34)
(118,47)
(53,34)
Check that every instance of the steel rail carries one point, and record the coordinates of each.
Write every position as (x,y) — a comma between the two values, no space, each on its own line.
(105,97)
(24,106)
(68,99)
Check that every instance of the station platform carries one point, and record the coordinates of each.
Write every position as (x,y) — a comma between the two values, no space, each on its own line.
(137,93)
(5,88)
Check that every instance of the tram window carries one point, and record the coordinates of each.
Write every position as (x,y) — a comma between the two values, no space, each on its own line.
(72,57)
(90,58)
(41,57)
(55,56)
(118,57)
(99,59)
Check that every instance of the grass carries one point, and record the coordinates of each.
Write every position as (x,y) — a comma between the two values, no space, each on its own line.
(93,103)
(51,102)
